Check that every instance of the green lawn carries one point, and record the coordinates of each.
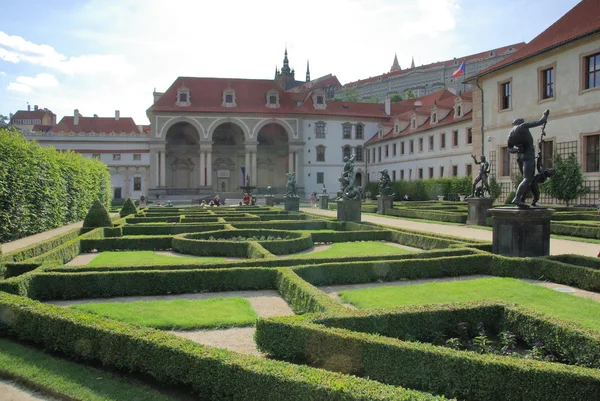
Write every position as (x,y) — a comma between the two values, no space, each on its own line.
(179,314)
(564,306)
(68,379)
(126,258)
(342,249)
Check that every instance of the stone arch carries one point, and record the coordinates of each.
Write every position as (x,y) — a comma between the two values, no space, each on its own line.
(284,124)
(167,126)
(182,156)
(236,121)
(273,144)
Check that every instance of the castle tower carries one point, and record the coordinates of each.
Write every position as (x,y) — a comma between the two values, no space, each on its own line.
(285,77)
(395,64)
(307,72)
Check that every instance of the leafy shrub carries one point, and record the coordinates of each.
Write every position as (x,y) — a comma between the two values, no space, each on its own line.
(128,208)
(509,198)
(97,216)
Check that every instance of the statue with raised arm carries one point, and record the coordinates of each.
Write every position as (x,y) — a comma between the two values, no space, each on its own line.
(291,185)
(385,183)
(484,170)
(520,141)
(347,179)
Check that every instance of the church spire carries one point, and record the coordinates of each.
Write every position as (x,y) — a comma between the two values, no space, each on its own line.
(412,64)
(286,65)
(395,64)
(307,72)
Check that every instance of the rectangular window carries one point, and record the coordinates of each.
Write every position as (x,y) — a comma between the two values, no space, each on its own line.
(96,156)
(441,171)
(320,153)
(387,151)
(454,171)
(137,156)
(547,81)
(409,174)
(548,154)
(116,156)
(505,161)
(393,175)
(320,178)
(592,153)
(272,99)
(469,136)
(359,131)
(469,169)
(442,140)
(358,151)
(402,174)
(402,147)
(394,150)
(379,154)
(430,143)
(420,173)
(454,138)
(411,148)
(228,98)
(319,99)
(320,130)
(505,95)
(430,172)
(373,161)
(592,71)
(420,144)
(137,183)
(347,131)
(182,98)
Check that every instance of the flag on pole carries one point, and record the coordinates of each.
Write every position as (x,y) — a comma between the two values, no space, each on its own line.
(242,176)
(461,70)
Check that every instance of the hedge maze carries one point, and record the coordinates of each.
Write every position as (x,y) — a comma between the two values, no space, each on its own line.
(327,350)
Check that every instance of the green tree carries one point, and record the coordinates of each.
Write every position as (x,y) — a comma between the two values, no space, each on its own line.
(396,98)
(409,94)
(495,189)
(97,216)
(3,121)
(351,95)
(567,183)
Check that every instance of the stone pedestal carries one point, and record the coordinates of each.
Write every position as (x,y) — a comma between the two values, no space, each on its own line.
(440,198)
(269,200)
(478,208)
(384,202)
(324,201)
(521,232)
(291,204)
(348,210)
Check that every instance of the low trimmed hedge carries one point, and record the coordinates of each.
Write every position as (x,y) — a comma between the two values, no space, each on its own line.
(134,243)
(283,225)
(561,216)
(441,370)
(428,215)
(68,250)
(578,260)
(170,229)
(137,220)
(575,230)
(41,247)
(211,373)
(207,219)
(349,236)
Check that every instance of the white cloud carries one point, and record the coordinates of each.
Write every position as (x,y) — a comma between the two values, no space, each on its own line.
(15,49)
(2,73)
(27,84)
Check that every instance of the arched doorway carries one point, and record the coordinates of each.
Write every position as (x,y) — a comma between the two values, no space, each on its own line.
(358,180)
(229,155)
(272,156)
(183,154)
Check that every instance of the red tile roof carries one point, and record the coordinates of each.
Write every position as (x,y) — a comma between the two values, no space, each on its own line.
(582,20)
(319,83)
(97,124)
(206,95)
(32,114)
(447,63)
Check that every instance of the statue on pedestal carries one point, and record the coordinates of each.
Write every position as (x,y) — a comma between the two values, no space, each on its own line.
(347,179)
(520,141)
(385,183)
(291,185)
(269,190)
(484,170)
(324,190)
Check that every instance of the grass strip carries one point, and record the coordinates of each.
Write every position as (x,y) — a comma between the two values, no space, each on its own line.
(128,258)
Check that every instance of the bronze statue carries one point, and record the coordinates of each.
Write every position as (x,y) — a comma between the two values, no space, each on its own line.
(291,185)
(347,179)
(324,190)
(543,173)
(484,170)
(385,183)
(269,190)
(520,141)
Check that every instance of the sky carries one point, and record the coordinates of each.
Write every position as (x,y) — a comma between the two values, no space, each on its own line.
(99,56)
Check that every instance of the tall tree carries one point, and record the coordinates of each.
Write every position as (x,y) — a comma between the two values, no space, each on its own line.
(409,94)
(567,183)
(3,121)
(351,95)
(396,98)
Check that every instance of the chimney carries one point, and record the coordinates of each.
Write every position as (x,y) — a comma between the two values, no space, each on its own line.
(117,115)
(76,117)
(157,95)
(28,107)
(388,105)
(35,107)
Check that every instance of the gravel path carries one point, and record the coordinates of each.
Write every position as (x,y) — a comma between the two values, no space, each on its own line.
(12,391)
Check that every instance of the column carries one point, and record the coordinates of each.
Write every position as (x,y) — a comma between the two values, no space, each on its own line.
(163,168)
(254,177)
(247,165)
(156,170)
(296,164)
(209,168)
(202,178)
(290,162)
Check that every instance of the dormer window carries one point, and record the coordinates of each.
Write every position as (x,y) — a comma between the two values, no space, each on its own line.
(272,99)
(183,97)
(319,99)
(434,118)
(229,98)
(396,127)
(413,123)
(458,111)
(380,129)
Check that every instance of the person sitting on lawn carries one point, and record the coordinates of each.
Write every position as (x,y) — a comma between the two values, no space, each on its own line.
(203,203)
(169,204)
(216,201)
(246,199)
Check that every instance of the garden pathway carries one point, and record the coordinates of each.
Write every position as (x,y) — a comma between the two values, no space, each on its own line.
(266,303)
(25,242)
(11,391)
(557,246)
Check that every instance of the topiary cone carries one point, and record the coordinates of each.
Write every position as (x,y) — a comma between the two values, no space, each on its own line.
(128,208)
(97,216)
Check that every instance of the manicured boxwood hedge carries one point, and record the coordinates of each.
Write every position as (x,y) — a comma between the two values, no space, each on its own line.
(575,230)
(441,370)
(348,236)
(578,260)
(133,243)
(137,220)
(40,247)
(429,215)
(215,374)
(169,229)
